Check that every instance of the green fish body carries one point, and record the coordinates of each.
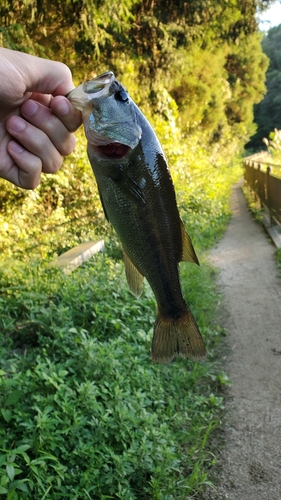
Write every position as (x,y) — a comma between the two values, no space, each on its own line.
(139,200)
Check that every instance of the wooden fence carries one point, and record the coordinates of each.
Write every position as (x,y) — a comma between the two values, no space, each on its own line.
(267,187)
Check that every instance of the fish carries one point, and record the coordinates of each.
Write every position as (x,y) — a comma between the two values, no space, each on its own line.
(139,200)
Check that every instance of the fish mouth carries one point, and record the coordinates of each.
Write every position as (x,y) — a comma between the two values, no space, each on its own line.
(113,150)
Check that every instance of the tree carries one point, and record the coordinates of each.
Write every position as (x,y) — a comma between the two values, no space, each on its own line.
(246,66)
(205,53)
(267,114)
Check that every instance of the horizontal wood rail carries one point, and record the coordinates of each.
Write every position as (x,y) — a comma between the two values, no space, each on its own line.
(267,187)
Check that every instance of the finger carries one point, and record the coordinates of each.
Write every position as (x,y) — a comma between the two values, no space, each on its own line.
(36,142)
(44,119)
(44,99)
(71,117)
(26,171)
(40,75)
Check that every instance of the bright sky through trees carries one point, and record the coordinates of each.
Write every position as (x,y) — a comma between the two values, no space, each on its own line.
(270,17)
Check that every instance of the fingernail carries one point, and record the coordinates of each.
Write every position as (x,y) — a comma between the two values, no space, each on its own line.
(29,108)
(16,124)
(62,107)
(15,147)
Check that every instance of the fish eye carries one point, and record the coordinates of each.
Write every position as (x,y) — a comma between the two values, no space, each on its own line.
(121,95)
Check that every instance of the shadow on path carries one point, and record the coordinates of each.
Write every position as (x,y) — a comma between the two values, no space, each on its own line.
(250,461)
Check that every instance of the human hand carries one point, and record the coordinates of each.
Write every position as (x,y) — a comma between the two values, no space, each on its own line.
(36,120)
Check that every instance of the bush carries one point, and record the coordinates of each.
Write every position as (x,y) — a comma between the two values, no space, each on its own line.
(84,412)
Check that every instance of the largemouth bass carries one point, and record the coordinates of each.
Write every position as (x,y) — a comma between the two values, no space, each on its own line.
(138,198)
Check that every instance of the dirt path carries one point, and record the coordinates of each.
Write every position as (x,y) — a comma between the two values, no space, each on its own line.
(250,460)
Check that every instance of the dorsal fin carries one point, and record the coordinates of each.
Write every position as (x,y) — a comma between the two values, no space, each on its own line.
(134,277)
(188,252)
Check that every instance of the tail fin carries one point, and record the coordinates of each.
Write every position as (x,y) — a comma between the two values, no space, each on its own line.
(177,337)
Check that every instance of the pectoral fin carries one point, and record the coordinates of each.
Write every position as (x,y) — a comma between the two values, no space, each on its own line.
(127,185)
(134,277)
(102,203)
(132,190)
(188,252)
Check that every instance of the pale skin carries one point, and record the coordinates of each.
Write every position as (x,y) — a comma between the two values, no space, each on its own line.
(36,119)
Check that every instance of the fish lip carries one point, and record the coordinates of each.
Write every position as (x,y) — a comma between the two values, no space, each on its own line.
(99,86)
(82,96)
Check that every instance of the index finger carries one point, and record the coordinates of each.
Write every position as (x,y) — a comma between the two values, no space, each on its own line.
(63,109)
(39,75)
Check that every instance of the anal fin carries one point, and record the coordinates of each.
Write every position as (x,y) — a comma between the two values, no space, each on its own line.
(134,277)
(188,252)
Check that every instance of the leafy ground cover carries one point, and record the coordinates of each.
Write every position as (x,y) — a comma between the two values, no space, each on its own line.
(84,412)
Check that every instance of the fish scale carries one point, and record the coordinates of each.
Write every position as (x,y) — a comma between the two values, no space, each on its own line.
(139,200)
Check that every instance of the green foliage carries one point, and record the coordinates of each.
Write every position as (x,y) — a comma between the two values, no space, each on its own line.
(274,145)
(206,54)
(246,66)
(84,413)
(267,113)
(66,208)
(195,88)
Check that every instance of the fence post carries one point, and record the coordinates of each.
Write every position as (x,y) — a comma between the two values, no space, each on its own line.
(245,165)
(268,170)
(259,186)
